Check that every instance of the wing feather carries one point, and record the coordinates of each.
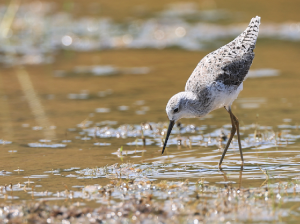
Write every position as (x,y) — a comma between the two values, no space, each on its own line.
(229,64)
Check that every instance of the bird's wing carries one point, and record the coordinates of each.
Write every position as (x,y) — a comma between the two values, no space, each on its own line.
(229,64)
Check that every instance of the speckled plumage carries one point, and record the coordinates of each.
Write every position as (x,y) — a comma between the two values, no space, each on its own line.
(218,78)
(228,64)
(224,70)
(216,82)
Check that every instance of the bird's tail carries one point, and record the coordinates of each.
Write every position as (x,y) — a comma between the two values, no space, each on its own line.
(249,36)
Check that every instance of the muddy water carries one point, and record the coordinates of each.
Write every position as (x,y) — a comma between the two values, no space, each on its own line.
(60,120)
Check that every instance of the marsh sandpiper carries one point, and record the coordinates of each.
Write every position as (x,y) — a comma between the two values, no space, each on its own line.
(216,82)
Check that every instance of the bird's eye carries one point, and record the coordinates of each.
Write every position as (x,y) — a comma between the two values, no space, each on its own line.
(176,110)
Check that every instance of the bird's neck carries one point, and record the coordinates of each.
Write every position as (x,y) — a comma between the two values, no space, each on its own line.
(194,105)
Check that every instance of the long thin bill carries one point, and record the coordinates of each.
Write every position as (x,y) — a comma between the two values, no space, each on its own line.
(168,134)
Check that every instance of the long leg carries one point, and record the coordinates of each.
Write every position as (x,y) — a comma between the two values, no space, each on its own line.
(237,125)
(233,130)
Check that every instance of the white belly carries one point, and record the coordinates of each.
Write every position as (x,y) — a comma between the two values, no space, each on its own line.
(226,97)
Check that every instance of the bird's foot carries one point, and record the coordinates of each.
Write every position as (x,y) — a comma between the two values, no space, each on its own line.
(220,166)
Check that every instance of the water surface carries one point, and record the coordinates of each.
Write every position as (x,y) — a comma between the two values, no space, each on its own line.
(69,118)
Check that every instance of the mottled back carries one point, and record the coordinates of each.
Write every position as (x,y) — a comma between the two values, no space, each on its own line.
(229,64)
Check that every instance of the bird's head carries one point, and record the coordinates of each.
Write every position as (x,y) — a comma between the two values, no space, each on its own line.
(177,108)
(181,106)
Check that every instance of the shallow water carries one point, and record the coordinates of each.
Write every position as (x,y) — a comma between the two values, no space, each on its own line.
(68,120)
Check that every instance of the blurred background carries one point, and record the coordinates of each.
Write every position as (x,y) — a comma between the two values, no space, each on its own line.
(122,61)
(65,65)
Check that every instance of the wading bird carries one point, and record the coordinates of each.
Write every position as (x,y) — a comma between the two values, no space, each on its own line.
(216,82)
